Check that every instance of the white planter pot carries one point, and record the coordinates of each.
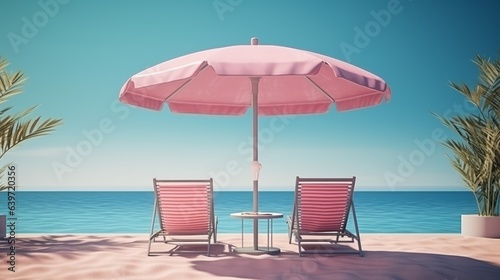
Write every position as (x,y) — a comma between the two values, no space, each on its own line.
(481,226)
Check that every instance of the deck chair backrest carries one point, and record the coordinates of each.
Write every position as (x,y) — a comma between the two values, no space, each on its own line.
(185,207)
(323,204)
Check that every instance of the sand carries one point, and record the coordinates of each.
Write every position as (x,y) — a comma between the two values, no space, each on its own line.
(393,256)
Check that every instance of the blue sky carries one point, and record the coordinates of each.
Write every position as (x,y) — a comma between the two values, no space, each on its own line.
(77,55)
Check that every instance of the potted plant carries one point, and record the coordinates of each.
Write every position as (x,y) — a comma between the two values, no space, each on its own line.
(476,150)
(15,128)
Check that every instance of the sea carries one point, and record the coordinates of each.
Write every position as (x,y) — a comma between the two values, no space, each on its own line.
(60,212)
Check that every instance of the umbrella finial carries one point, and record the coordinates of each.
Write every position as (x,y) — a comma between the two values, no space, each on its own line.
(254,41)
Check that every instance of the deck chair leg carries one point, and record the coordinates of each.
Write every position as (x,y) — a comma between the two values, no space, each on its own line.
(288,222)
(208,249)
(149,246)
(291,220)
(358,237)
(299,244)
(152,225)
(215,229)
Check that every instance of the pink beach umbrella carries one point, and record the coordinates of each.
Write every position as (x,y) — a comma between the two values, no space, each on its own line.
(273,80)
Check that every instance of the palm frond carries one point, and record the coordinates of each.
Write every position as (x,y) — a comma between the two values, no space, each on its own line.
(15,129)
(24,130)
(3,185)
(476,154)
(9,84)
(9,121)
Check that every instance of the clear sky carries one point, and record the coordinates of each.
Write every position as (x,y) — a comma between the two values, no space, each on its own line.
(77,55)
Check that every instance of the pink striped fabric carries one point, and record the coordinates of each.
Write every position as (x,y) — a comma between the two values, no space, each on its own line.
(323,206)
(184,208)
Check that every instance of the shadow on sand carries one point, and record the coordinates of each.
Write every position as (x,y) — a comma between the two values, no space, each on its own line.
(285,266)
(374,265)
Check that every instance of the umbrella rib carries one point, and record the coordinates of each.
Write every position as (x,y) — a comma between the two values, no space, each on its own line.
(205,65)
(320,89)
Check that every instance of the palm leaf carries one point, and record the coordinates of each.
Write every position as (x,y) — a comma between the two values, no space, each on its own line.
(476,154)
(9,84)
(24,130)
(3,186)
(14,129)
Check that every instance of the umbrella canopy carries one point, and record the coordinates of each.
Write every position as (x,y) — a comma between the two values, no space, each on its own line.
(291,81)
(274,80)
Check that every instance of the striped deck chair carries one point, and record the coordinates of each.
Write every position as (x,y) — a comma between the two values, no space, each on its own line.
(185,210)
(321,210)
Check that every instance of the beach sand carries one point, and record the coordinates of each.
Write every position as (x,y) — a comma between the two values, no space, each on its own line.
(392,256)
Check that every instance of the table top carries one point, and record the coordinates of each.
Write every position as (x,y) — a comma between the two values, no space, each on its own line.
(258,215)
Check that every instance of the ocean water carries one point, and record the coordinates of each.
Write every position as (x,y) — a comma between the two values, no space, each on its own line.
(131,212)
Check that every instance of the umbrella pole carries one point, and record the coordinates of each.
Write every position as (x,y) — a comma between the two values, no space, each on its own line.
(256,169)
(255,103)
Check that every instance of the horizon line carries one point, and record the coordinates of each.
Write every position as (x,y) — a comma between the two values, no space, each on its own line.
(240,190)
